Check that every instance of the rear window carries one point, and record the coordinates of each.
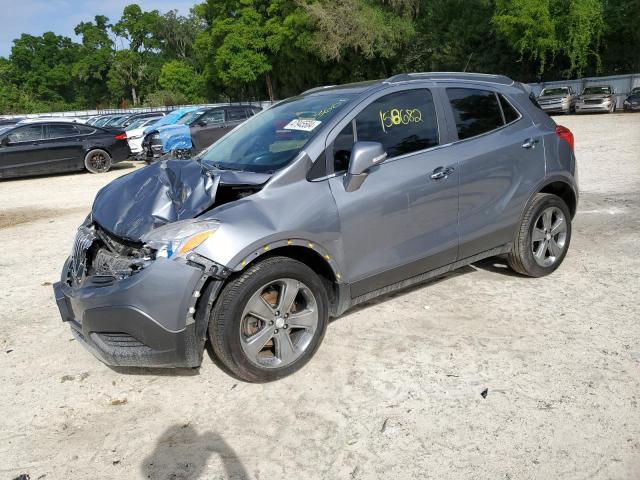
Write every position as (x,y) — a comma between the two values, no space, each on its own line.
(62,131)
(475,111)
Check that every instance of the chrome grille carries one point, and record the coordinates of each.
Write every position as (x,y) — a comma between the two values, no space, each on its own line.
(84,240)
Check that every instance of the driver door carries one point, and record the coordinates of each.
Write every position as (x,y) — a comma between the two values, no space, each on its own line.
(403,220)
(24,153)
(208,129)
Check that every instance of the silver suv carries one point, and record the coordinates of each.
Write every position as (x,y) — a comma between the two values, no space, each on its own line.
(596,98)
(319,203)
(557,99)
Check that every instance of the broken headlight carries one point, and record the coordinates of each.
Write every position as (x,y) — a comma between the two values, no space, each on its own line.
(179,238)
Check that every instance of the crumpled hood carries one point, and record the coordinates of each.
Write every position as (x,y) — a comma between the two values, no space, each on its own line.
(162,193)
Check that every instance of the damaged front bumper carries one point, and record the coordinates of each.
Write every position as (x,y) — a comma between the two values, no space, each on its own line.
(145,320)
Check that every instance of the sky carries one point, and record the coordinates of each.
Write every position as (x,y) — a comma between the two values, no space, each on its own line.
(61,16)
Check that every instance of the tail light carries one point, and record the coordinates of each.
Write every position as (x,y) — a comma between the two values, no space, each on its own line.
(565,134)
(122,136)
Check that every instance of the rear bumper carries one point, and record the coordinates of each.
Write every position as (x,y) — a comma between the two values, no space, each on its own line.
(146,320)
(120,151)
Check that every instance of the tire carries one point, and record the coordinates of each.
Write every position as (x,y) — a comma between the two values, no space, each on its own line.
(236,333)
(542,242)
(97,161)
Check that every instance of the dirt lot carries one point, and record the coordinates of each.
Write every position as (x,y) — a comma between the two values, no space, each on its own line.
(395,390)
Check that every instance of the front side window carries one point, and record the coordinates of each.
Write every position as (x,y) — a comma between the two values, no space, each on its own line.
(271,140)
(213,117)
(475,111)
(32,133)
(403,122)
(62,131)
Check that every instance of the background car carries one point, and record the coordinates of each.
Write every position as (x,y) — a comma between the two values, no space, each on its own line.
(196,131)
(135,133)
(596,98)
(557,99)
(48,147)
(632,102)
(128,119)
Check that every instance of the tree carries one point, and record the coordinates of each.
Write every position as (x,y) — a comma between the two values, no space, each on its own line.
(179,77)
(128,71)
(95,59)
(43,65)
(544,29)
(137,27)
(176,34)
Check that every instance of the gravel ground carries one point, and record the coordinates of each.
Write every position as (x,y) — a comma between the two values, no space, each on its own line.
(396,388)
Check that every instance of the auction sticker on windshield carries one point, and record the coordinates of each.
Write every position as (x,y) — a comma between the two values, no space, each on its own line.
(304,124)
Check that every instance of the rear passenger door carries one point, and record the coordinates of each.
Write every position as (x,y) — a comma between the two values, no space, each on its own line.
(401,222)
(64,145)
(501,157)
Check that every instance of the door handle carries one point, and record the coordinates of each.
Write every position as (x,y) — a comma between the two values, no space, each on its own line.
(441,172)
(530,143)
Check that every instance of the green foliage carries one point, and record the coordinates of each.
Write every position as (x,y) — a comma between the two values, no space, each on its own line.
(181,78)
(542,29)
(165,98)
(256,49)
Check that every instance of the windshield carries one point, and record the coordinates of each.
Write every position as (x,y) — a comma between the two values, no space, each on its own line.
(190,117)
(172,117)
(635,91)
(547,92)
(136,123)
(272,138)
(596,90)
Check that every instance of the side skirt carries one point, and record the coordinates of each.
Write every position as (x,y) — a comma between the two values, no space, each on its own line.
(423,277)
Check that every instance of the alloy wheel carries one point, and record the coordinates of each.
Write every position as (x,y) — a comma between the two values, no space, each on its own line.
(549,236)
(99,162)
(278,323)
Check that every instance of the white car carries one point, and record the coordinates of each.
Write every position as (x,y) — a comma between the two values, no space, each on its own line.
(135,133)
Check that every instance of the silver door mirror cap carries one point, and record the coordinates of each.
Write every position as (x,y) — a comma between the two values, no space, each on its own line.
(364,155)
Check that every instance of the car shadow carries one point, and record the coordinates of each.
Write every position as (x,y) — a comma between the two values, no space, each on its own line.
(156,372)
(182,453)
(126,165)
(497,265)
(407,290)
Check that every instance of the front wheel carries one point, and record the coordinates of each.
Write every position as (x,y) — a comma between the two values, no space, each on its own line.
(270,320)
(97,161)
(543,238)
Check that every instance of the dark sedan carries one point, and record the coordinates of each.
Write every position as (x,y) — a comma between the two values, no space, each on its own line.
(49,147)
(632,102)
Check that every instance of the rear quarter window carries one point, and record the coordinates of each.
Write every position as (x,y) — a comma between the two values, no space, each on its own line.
(475,111)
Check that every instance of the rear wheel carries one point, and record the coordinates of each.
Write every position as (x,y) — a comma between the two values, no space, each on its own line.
(543,238)
(97,161)
(269,321)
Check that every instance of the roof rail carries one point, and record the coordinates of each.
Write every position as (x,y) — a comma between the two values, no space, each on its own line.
(316,89)
(478,77)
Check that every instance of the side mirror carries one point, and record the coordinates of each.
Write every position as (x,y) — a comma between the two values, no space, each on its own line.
(4,142)
(364,155)
(202,123)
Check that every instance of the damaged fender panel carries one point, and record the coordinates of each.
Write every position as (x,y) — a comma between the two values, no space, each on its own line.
(256,225)
(162,193)
(175,137)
